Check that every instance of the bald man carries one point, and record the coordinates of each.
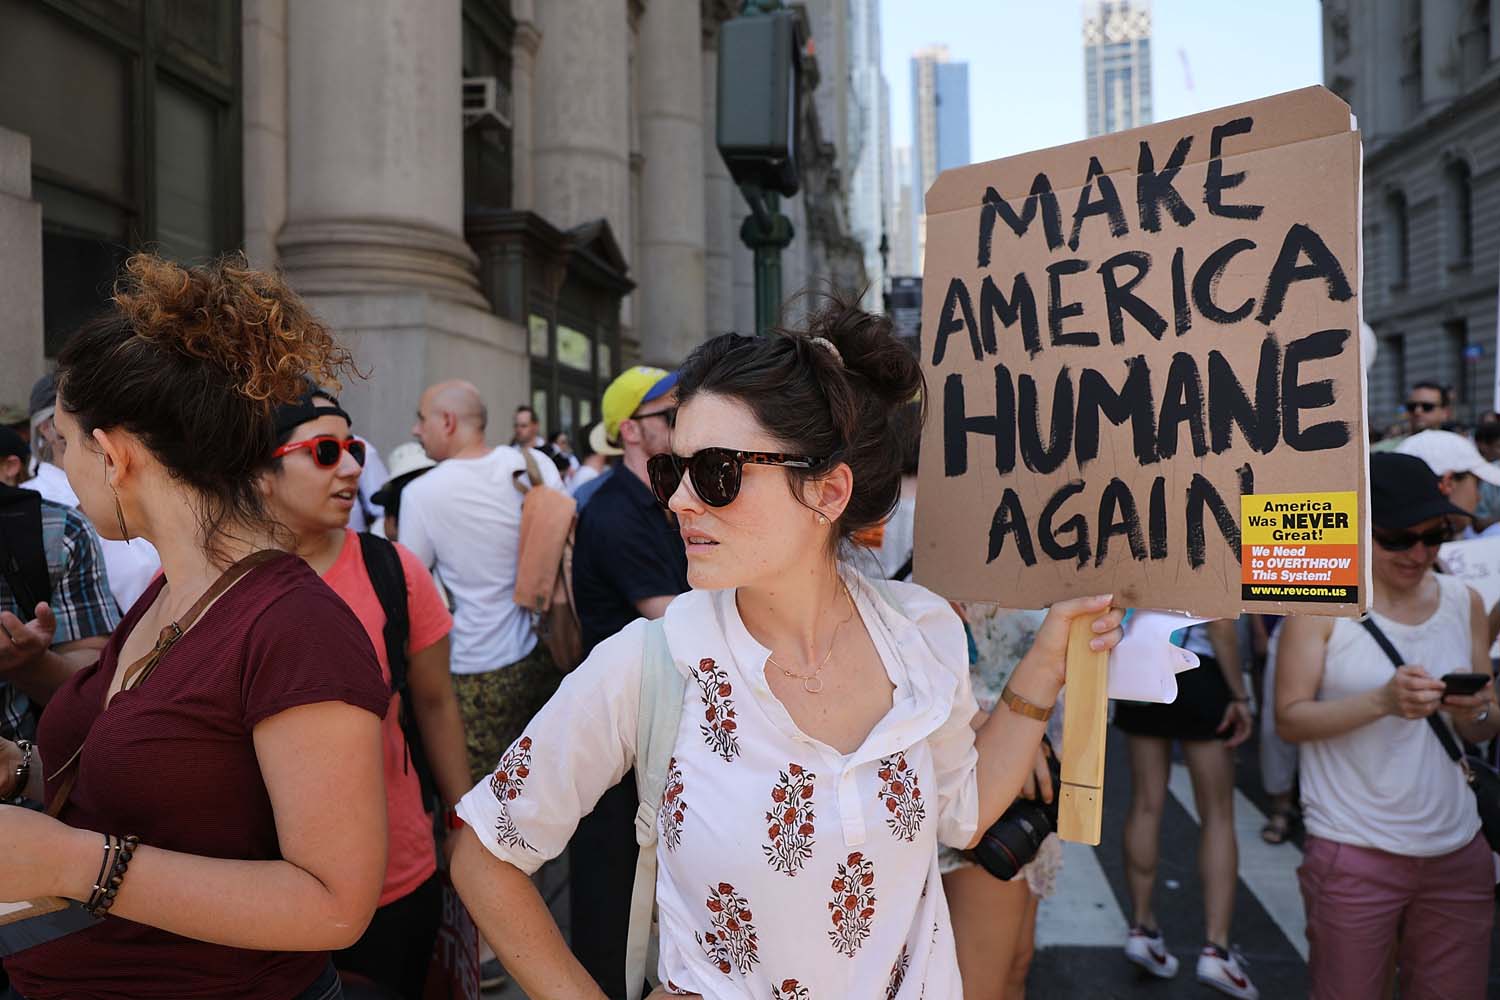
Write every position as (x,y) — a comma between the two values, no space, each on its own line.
(463,519)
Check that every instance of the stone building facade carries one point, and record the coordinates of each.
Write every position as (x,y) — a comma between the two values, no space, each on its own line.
(525,193)
(1423,79)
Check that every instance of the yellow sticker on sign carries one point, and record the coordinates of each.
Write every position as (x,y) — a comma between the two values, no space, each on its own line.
(1299,546)
(1317,518)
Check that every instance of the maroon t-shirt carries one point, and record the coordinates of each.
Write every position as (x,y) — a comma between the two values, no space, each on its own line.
(172,761)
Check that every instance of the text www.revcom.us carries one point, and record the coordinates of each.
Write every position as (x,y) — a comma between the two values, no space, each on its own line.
(1257,590)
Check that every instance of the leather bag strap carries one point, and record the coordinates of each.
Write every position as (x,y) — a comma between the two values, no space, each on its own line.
(137,672)
(1450,746)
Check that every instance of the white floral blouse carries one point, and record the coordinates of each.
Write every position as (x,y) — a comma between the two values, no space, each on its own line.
(786,869)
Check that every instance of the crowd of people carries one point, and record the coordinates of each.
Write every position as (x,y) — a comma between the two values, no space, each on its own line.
(264,692)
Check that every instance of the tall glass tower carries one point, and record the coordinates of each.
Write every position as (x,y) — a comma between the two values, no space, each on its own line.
(940,123)
(1117,64)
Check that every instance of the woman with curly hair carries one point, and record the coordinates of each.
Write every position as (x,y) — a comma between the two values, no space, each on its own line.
(824,747)
(216,776)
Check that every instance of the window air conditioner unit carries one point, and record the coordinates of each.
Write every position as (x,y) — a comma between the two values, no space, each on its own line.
(486,102)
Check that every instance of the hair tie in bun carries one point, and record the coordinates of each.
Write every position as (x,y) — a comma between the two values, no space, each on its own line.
(827,345)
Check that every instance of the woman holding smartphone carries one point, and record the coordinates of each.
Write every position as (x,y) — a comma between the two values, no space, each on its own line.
(1395,864)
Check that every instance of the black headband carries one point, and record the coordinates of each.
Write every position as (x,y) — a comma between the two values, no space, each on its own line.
(291,415)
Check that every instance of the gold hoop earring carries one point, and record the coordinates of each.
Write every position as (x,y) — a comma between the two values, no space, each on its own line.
(120,516)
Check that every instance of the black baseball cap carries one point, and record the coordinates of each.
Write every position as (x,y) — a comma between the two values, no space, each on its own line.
(1404,491)
(12,443)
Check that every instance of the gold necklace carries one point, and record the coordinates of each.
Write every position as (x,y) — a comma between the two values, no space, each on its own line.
(812,683)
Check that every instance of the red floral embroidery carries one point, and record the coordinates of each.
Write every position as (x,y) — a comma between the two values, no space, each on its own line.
(791,820)
(732,944)
(902,797)
(853,904)
(673,807)
(508,781)
(898,974)
(718,710)
(790,989)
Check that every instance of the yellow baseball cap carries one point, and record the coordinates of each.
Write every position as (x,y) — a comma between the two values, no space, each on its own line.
(625,395)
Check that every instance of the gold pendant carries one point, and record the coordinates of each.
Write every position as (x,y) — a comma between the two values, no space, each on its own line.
(813,684)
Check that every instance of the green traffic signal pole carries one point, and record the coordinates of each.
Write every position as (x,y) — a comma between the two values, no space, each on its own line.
(765,230)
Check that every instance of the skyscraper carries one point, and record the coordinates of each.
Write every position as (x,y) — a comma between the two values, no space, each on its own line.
(868,148)
(1117,64)
(940,124)
(901,213)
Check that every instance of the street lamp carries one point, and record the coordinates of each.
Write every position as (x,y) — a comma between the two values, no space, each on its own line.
(759,94)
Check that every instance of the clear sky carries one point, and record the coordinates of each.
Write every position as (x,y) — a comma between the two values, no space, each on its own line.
(1026,61)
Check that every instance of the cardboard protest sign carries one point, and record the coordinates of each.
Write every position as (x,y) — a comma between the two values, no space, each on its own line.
(1143,369)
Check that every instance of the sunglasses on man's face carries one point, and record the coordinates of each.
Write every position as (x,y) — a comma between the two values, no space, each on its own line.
(715,472)
(326,449)
(1413,405)
(1400,541)
(669,415)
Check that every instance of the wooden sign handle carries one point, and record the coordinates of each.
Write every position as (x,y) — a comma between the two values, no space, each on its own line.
(1080,810)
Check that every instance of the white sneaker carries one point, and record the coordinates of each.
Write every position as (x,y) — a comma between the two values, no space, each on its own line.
(1223,970)
(1149,951)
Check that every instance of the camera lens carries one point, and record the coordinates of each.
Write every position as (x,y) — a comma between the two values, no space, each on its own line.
(1017,835)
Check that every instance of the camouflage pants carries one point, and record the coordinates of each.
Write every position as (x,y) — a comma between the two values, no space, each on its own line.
(497,705)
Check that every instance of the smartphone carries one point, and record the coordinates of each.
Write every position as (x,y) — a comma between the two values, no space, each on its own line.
(1463,683)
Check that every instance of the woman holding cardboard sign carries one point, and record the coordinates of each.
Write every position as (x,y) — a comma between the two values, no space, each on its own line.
(1395,864)
(217,774)
(824,747)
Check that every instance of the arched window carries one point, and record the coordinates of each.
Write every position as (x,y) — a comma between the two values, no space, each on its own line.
(1398,242)
(1458,178)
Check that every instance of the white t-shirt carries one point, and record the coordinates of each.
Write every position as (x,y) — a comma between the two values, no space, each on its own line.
(780,859)
(581,475)
(464,519)
(1389,784)
(128,567)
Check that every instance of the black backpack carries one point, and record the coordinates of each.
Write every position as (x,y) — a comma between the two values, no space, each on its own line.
(23,559)
(388,576)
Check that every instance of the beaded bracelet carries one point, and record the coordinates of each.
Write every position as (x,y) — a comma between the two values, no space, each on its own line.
(109,843)
(117,852)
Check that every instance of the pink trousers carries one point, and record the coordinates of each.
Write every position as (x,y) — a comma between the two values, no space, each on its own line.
(1364,906)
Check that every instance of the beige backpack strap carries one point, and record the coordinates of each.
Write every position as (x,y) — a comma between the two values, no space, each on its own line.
(662,689)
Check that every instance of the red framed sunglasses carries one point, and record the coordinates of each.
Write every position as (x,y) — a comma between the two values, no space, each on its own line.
(326,449)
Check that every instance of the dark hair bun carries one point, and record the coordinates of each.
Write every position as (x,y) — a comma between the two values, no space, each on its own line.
(226,315)
(858,403)
(193,362)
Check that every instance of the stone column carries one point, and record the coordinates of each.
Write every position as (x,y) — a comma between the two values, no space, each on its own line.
(528,41)
(263,34)
(718,201)
(374,232)
(670,273)
(20,272)
(1379,40)
(1441,69)
(580,135)
(375,192)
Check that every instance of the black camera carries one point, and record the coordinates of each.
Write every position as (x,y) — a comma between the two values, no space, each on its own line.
(1017,835)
